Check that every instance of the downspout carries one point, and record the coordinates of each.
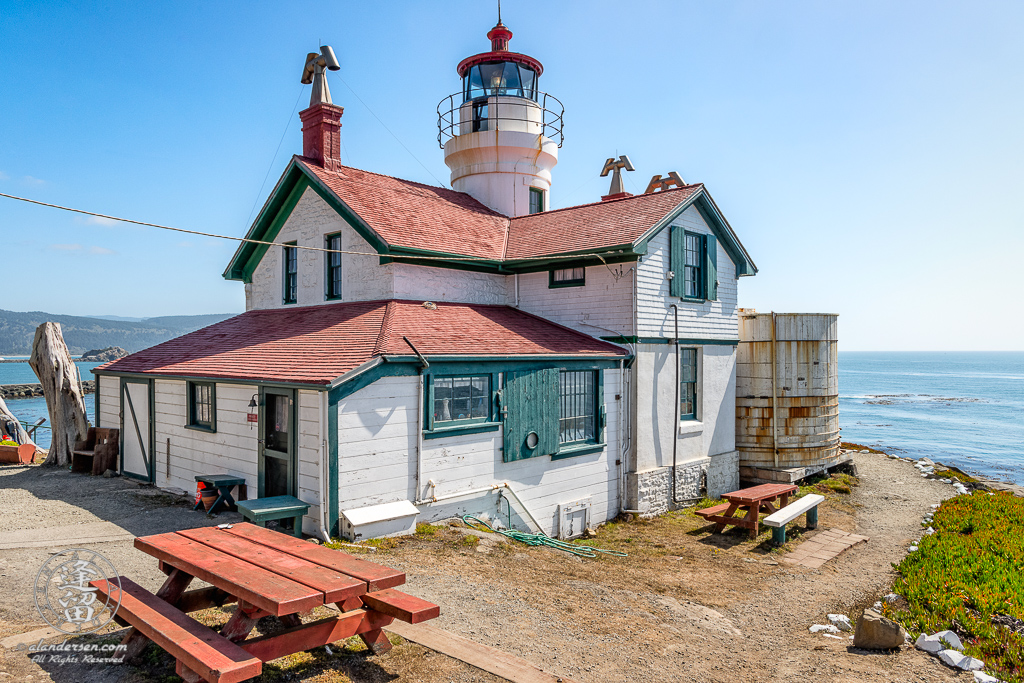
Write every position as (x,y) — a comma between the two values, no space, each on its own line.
(324,475)
(775,429)
(421,400)
(675,409)
(517,289)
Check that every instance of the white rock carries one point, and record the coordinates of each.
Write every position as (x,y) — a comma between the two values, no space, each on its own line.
(936,506)
(841,622)
(980,677)
(865,451)
(926,461)
(894,457)
(877,606)
(947,481)
(929,531)
(951,639)
(891,598)
(924,475)
(912,548)
(930,643)
(819,628)
(960,660)
(829,635)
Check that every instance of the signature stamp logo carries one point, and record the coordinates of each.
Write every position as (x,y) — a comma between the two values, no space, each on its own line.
(63,594)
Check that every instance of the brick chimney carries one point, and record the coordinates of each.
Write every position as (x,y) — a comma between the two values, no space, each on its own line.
(321,134)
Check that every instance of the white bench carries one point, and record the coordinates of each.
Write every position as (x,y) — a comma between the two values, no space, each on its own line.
(780,519)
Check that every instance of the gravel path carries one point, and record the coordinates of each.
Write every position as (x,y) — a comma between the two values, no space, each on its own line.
(701,608)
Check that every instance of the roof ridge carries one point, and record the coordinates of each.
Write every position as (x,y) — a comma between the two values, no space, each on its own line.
(386,323)
(308,161)
(610,201)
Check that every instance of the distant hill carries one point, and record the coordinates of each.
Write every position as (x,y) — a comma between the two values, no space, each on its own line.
(81,333)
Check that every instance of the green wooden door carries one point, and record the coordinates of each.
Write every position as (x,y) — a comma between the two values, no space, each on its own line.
(278,434)
(529,402)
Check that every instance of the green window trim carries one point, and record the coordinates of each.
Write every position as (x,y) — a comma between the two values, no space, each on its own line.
(688,390)
(201,406)
(289,273)
(332,268)
(581,449)
(567,277)
(536,200)
(485,421)
(579,411)
(693,260)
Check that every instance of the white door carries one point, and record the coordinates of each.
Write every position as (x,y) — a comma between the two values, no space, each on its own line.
(136,429)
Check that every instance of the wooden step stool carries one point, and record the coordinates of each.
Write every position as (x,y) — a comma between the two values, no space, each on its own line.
(263,510)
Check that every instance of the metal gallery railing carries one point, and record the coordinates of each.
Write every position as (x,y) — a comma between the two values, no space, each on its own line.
(501,109)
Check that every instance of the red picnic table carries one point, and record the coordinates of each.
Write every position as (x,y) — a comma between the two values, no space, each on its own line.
(266,573)
(754,500)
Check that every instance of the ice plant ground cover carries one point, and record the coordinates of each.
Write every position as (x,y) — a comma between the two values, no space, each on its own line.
(968,577)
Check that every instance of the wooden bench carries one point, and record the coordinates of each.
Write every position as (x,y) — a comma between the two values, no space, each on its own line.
(197,647)
(263,510)
(401,606)
(98,453)
(780,519)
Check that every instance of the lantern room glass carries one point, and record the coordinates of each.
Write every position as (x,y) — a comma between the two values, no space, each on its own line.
(507,79)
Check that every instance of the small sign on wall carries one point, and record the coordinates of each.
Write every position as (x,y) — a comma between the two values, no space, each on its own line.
(251,417)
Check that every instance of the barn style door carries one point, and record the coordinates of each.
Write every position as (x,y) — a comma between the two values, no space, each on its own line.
(529,403)
(137,429)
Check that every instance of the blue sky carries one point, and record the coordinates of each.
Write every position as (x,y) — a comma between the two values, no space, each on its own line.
(869,154)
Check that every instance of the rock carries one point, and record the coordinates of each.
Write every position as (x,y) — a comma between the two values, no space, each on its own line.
(929,531)
(912,548)
(980,677)
(947,481)
(891,598)
(103,355)
(865,451)
(841,622)
(877,606)
(943,640)
(109,474)
(960,660)
(819,628)
(875,632)
(925,461)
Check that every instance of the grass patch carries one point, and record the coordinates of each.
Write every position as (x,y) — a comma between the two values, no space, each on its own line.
(424,530)
(968,577)
(469,541)
(954,474)
(857,447)
(834,483)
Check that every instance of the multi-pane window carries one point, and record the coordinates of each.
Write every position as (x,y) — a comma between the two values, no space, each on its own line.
(462,398)
(201,411)
(291,273)
(577,411)
(692,266)
(688,384)
(567,277)
(332,260)
(536,200)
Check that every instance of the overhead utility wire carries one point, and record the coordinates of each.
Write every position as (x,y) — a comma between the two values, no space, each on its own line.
(279,142)
(278,244)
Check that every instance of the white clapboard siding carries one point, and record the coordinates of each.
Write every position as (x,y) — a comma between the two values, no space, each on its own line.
(311,445)
(602,307)
(377,460)
(446,284)
(109,407)
(709,320)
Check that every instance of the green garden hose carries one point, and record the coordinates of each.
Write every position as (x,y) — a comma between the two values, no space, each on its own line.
(540,539)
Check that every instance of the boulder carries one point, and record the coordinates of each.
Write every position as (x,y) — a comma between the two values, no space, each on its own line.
(841,622)
(960,660)
(943,640)
(875,632)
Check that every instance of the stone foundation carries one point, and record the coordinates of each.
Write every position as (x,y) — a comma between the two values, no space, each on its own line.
(650,491)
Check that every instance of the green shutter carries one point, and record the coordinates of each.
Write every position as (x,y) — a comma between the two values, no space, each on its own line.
(529,402)
(711,267)
(677,260)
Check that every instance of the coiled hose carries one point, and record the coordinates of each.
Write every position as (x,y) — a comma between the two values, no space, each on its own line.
(539,539)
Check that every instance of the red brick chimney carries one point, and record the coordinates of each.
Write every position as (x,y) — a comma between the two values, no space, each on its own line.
(321,134)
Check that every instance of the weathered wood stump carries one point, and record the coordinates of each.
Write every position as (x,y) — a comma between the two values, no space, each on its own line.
(11,425)
(51,361)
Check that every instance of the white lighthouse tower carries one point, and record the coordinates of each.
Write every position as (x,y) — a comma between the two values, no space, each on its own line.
(501,134)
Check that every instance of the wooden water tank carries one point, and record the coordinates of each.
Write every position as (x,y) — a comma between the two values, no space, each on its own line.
(787,389)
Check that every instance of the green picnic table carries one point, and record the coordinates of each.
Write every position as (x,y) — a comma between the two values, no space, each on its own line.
(223,483)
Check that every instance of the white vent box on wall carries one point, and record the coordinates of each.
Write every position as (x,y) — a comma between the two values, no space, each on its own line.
(573,519)
(378,521)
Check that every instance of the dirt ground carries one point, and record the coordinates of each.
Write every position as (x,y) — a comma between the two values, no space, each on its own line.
(686,605)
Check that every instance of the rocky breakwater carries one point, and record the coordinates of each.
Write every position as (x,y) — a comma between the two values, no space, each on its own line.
(36,390)
(103,355)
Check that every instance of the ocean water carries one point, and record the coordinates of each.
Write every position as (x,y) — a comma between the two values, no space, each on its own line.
(963,409)
(31,409)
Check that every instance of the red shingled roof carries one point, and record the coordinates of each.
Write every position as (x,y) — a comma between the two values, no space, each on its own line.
(317,344)
(592,226)
(408,214)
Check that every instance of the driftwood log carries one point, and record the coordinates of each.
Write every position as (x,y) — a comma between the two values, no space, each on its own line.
(51,361)
(12,426)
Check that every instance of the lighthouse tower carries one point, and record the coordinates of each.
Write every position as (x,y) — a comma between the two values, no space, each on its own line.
(501,134)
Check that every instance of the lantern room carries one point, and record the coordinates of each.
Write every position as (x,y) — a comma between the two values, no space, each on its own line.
(501,133)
